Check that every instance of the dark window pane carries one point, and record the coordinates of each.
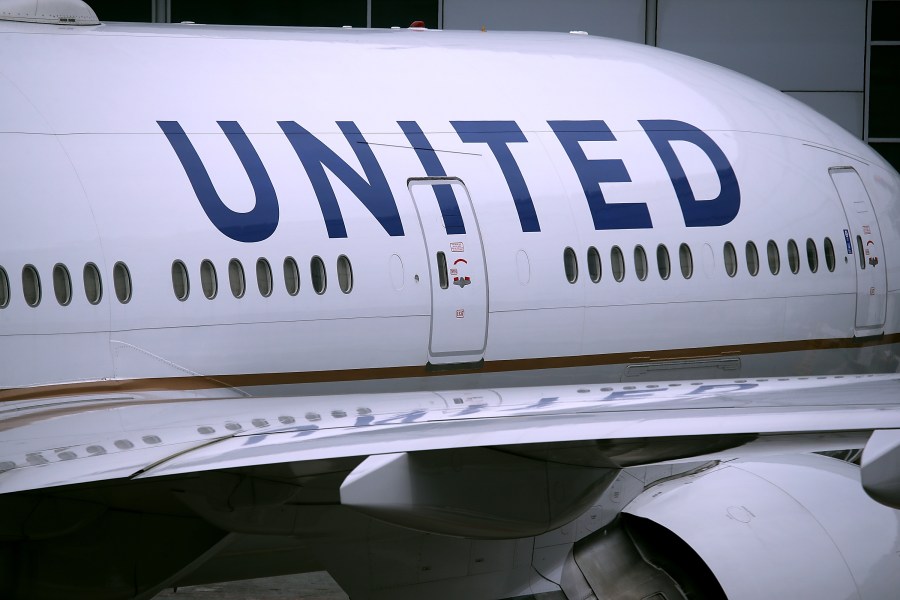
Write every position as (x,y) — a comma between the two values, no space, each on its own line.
(890,152)
(123,10)
(334,13)
(401,13)
(885,21)
(884,92)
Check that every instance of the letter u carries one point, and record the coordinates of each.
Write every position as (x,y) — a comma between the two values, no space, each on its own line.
(253,226)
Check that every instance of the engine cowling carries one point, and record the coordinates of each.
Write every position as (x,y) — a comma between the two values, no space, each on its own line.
(786,527)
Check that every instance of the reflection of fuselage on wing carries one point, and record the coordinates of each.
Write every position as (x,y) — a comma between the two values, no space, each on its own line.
(253,269)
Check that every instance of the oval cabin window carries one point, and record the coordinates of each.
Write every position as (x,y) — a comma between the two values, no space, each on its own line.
(62,284)
(752,259)
(93,287)
(209,281)
(570,263)
(291,276)
(236,278)
(617,262)
(663,264)
(345,274)
(595,268)
(264,277)
(122,282)
(31,285)
(318,275)
(181,285)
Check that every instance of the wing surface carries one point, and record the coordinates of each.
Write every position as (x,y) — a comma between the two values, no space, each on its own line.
(62,441)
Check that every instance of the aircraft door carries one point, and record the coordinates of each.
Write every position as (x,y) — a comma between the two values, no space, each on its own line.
(457,271)
(863,239)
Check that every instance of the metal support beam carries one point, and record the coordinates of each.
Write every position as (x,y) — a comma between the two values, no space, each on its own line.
(161,11)
(650,23)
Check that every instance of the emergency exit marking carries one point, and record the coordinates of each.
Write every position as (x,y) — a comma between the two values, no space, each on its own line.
(457,247)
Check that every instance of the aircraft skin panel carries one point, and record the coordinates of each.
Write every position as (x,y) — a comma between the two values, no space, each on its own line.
(220,312)
(456,261)
(763,297)
(811,509)
(865,236)
(111,167)
(224,61)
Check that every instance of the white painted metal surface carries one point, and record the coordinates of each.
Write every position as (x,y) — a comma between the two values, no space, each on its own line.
(52,12)
(109,155)
(459,281)
(297,144)
(749,520)
(867,248)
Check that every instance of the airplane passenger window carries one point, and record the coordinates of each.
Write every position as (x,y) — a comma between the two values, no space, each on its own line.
(31,285)
(752,259)
(236,278)
(617,260)
(793,257)
(662,262)
(209,281)
(318,275)
(345,274)
(122,282)
(264,277)
(595,269)
(812,255)
(687,261)
(829,254)
(62,284)
(730,259)
(570,262)
(181,285)
(640,263)
(443,279)
(774,257)
(4,288)
(93,288)
(291,276)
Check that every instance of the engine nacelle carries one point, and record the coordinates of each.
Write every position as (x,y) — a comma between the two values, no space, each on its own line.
(791,527)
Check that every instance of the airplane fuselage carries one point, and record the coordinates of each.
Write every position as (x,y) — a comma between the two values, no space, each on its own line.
(448,314)
(304,222)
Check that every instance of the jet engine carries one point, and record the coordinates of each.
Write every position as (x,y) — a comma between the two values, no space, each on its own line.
(792,527)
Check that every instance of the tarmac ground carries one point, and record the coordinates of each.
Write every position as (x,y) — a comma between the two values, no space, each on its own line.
(306,586)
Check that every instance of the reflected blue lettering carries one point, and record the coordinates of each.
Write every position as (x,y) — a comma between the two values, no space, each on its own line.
(723,388)
(407,417)
(542,403)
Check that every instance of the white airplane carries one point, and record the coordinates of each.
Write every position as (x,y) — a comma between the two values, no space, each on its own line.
(448,314)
